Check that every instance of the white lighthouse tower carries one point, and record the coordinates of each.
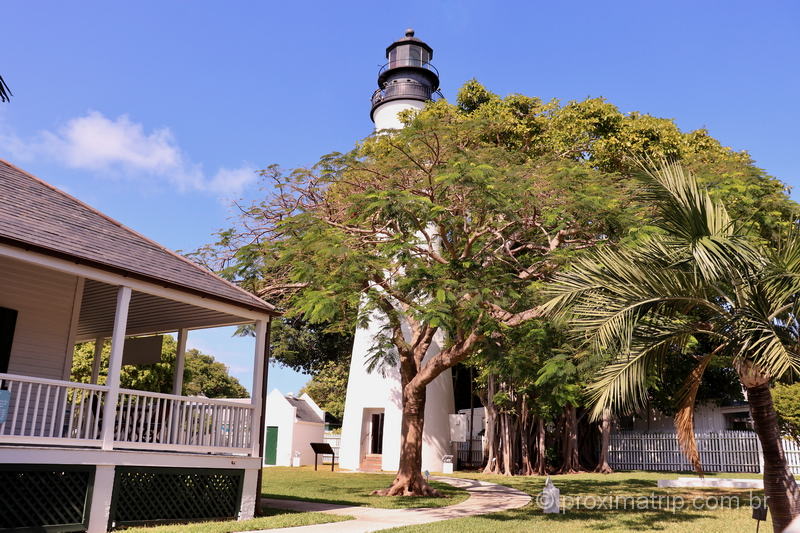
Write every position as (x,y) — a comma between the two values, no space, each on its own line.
(373,410)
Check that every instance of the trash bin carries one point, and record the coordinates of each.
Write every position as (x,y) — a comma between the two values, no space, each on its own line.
(296,458)
(447,464)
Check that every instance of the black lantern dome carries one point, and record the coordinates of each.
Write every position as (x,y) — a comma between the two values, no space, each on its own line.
(408,75)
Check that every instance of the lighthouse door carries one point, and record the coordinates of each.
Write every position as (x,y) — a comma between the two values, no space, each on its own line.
(376,434)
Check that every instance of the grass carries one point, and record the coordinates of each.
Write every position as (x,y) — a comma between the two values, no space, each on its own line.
(275,519)
(638,485)
(594,489)
(325,486)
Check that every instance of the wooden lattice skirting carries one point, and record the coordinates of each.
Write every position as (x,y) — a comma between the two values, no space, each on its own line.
(45,497)
(145,495)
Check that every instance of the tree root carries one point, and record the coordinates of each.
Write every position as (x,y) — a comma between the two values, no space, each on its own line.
(604,469)
(409,487)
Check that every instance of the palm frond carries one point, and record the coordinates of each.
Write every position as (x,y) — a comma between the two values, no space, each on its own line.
(5,92)
(622,384)
(684,418)
(687,212)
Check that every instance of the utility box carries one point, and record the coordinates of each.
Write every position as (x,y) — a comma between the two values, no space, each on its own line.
(447,464)
(458,428)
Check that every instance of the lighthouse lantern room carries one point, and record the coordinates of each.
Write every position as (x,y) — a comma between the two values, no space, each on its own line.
(406,81)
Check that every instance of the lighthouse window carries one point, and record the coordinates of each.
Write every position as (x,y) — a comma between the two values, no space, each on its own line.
(425,56)
(414,56)
(408,55)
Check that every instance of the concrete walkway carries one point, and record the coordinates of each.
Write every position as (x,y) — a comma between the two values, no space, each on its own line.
(483,498)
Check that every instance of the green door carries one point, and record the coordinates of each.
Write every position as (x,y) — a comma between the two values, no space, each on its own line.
(271,445)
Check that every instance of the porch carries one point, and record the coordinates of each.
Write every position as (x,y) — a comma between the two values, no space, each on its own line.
(48,412)
(47,313)
(86,452)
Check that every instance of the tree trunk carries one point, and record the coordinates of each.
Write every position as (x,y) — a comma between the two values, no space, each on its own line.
(491,432)
(780,487)
(540,466)
(569,444)
(507,442)
(525,437)
(409,480)
(605,432)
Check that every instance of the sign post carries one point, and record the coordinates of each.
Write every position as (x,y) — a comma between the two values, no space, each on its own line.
(323,448)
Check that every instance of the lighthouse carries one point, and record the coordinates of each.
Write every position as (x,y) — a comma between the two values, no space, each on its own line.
(373,406)
(406,81)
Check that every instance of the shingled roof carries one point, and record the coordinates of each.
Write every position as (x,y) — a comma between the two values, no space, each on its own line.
(35,215)
(304,413)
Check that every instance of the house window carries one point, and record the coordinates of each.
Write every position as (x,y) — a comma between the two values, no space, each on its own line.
(8,322)
(739,421)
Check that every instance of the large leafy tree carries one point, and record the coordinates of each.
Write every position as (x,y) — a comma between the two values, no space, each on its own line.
(329,386)
(787,407)
(447,229)
(202,373)
(703,276)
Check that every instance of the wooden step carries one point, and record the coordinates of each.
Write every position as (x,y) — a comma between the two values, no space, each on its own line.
(371,463)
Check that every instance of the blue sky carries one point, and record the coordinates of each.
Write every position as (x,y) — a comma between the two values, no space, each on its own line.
(158,112)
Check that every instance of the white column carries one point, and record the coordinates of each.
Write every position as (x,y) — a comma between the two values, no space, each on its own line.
(100,507)
(250,495)
(258,386)
(115,365)
(98,356)
(180,362)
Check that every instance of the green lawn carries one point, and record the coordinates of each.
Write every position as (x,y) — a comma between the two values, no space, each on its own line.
(636,485)
(274,519)
(346,488)
(595,490)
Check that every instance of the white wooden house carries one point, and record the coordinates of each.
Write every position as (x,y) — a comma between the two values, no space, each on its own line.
(292,424)
(84,456)
(724,434)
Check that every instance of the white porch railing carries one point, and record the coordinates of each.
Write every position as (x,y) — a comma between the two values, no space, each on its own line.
(152,420)
(52,412)
(48,410)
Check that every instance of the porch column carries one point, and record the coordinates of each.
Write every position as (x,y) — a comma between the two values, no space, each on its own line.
(100,506)
(180,360)
(250,495)
(98,356)
(115,365)
(258,387)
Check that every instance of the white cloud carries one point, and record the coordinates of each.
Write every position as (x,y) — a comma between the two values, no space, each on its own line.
(99,144)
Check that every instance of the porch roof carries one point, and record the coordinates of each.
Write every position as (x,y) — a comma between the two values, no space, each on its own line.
(36,216)
(147,314)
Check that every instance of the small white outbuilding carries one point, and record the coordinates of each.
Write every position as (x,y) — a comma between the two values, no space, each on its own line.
(292,424)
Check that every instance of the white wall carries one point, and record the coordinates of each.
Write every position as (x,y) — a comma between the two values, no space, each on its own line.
(304,434)
(281,413)
(365,390)
(44,300)
(478,421)
(385,116)
(369,392)
(708,418)
(293,435)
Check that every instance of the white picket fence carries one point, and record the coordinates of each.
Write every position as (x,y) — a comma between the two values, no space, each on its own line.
(334,439)
(728,451)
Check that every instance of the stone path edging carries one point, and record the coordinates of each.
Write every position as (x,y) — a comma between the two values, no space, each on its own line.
(484,498)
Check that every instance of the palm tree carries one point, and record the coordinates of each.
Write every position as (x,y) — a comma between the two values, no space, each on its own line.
(701,276)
